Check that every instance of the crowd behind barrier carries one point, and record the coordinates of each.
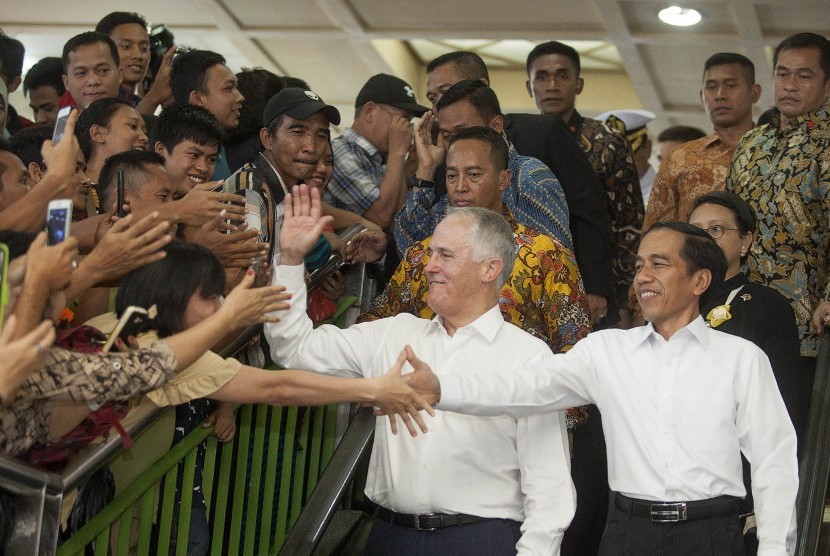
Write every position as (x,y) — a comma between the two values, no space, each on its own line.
(171,233)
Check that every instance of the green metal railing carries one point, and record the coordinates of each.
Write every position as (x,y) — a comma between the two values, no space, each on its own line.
(254,487)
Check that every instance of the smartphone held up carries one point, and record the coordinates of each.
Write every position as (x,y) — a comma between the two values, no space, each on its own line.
(58,220)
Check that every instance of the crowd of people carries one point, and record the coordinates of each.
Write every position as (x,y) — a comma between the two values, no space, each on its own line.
(635,347)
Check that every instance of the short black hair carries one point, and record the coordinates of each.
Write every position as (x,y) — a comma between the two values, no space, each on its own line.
(806,40)
(744,215)
(699,250)
(84,39)
(724,58)
(26,144)
(480,95)
(189,72)
(114,19)
(554,47)
(46,72)
(133,164)
(257,86)
(499,153)
(12,53)
(187,122)
(681,134)
(98,113)
(169,284)
(469,64)
(291,81)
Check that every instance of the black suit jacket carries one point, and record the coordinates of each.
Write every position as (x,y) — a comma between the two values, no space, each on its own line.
(547,138)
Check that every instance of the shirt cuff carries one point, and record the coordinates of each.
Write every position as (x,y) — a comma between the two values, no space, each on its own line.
(450,394)
(290,276)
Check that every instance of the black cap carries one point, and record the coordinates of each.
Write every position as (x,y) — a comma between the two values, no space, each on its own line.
(388,89)
(298,103)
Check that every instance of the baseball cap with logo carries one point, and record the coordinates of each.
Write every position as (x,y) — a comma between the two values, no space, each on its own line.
(388,89)
(298,103)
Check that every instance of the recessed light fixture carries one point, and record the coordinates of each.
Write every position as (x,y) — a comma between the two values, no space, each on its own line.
(680,17)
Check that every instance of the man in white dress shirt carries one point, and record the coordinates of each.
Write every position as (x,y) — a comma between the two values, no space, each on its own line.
(472,485)
(679,401)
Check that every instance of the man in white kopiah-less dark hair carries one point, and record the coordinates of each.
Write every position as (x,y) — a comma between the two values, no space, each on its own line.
(471,485)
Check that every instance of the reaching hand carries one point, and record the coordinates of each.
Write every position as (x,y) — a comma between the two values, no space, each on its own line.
(237,249)
(367,247)
(202,203)
(22,356)
(422,379)
(301,225)
(128,245)
(395,397)
(51,265)
(61,159)
(245,305)
(160,91)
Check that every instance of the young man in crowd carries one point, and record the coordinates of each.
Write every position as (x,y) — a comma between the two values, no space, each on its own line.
(44,87)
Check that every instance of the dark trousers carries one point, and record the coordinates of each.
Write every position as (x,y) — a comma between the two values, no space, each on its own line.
(493,537)
(589,471)
(628,535)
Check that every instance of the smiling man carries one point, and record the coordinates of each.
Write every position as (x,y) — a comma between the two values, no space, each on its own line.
(544,295)
(90,69)
(680,402)
(698,167)
(295,135)
(189,138)
(202,78)
(471,486)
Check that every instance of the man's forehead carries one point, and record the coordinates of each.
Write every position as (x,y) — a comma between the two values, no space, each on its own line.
(799,58)
(88,54)
(444,75)
(316,121)
(663,243)
(473,151)
(190,145)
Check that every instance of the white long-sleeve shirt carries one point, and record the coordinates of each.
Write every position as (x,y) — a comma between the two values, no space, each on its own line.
(496,467)
(676,415)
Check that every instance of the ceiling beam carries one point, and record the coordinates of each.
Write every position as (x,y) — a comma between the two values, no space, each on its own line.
(749,29)
(340,13)
(617,32)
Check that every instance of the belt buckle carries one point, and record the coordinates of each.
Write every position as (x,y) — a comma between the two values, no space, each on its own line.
(669,513)
(426,526)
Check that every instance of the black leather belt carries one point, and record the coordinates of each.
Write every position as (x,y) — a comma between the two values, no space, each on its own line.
(426,522)
(673,512)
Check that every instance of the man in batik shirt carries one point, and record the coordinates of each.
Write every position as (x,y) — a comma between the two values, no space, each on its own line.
(699,167)
(544,295)
(783,170)
(554,82)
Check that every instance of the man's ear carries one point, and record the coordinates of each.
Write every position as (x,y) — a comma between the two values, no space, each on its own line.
(702,279)
(504,179)
(579,84)
(196,98)
(98,133)
(497,123)
(265,138)
(160,149)
(35,171)
(492,270)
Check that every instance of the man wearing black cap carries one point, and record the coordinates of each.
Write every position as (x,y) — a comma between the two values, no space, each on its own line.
(369,157)
(295,135)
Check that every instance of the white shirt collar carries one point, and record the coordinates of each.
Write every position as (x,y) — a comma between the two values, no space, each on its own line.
(697,328)
(488,324)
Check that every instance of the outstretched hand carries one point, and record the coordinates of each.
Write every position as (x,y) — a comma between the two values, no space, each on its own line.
(302,224)
(422,379)
(366,247)
(395,397)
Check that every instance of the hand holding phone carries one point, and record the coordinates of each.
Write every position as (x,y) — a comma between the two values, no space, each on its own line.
(119,210)
(58,220)
(60,124)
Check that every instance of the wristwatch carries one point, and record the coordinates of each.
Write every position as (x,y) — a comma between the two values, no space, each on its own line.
(424,183)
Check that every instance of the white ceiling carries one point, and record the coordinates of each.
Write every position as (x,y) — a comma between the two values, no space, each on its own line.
(332,43)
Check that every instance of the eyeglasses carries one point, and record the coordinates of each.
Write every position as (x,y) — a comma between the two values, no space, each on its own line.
(717,231)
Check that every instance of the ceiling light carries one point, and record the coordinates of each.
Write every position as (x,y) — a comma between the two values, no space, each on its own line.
(680,17)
